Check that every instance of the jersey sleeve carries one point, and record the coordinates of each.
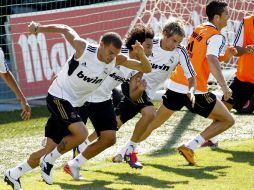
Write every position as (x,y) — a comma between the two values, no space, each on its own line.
(215,45)
(185,63)
(3,66)
(239,35)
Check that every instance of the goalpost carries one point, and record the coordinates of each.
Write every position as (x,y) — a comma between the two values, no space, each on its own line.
(192,13)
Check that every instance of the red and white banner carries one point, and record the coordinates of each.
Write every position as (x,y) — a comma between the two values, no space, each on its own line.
(39,57)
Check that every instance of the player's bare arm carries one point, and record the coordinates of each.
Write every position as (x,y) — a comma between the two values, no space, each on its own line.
(137,86)
(11,82)
(215,68)
(143,65)
(229,53)
(70,35)
(244,50)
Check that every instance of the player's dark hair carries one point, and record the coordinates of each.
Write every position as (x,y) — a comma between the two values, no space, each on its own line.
(140,32)
(215,7)
(112,38)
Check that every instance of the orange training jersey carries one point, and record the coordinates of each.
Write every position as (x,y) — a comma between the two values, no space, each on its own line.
(197,47)
(245,66)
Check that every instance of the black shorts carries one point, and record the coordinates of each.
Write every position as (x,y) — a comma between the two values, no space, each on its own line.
(127,109)
(203,106)
(62,115)
(242,92)
(101,114)
(117,95)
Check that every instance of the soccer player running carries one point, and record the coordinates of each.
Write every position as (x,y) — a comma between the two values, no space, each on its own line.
(204,46)
(7,76)
(99,108)
(167,53)
(80,76)
(243,83)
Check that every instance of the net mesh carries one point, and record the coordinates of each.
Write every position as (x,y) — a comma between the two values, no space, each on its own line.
(192,13)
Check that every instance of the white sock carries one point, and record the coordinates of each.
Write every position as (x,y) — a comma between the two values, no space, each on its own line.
(215,139)
(77,161)
(131,146)
(194,143)
(20,169)
(52,156)
(83,146)
(126,149)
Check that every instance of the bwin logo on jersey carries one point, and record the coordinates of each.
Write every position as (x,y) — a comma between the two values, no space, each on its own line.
(95,80)
(117,78)
(160,67)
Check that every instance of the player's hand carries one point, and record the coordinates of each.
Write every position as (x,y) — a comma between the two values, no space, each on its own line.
(227,92)
(229,53)
(33,27)
(249,49)
(138,48)
(232,51)
(192,98)
(26,113)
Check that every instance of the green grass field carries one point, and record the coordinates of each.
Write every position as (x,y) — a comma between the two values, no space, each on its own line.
(231,167)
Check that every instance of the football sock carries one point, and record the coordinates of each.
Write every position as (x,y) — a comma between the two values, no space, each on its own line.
(77,161)
(194,143)
(214,140)
(51,157)
(127,149)
(83,146)
(131,147)
(20,169)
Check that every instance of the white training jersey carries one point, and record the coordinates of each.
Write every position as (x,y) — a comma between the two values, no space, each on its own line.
(3,66)
(239,35)
(118,75)
(163,63)
(80,77)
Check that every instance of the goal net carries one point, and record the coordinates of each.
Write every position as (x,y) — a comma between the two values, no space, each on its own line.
(192,13)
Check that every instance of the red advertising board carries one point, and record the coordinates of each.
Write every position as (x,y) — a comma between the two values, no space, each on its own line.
(39,57)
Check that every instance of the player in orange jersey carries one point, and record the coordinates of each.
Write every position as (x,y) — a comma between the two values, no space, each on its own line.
(204,47)
(243,84)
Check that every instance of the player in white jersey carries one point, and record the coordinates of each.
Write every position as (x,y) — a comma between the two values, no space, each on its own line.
(81,75)
(99,108)
(167,53)
(7,76)
(204,54)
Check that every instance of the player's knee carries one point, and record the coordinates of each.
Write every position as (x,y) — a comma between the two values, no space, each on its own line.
(149,114)
(230,121)
(108,140)
(81,135)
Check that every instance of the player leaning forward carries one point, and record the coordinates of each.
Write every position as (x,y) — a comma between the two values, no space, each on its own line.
(80,76)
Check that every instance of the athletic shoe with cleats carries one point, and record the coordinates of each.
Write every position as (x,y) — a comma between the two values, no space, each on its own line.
(46,171)
(15,184)
(187,153)
(210,144)
(117,158)
(132,160)
(73,171)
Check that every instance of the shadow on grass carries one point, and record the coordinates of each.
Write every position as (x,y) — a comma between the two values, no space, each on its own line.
(94,185)
(14,116)
(187,118)
(194,171)
(238,156)
(139,179)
